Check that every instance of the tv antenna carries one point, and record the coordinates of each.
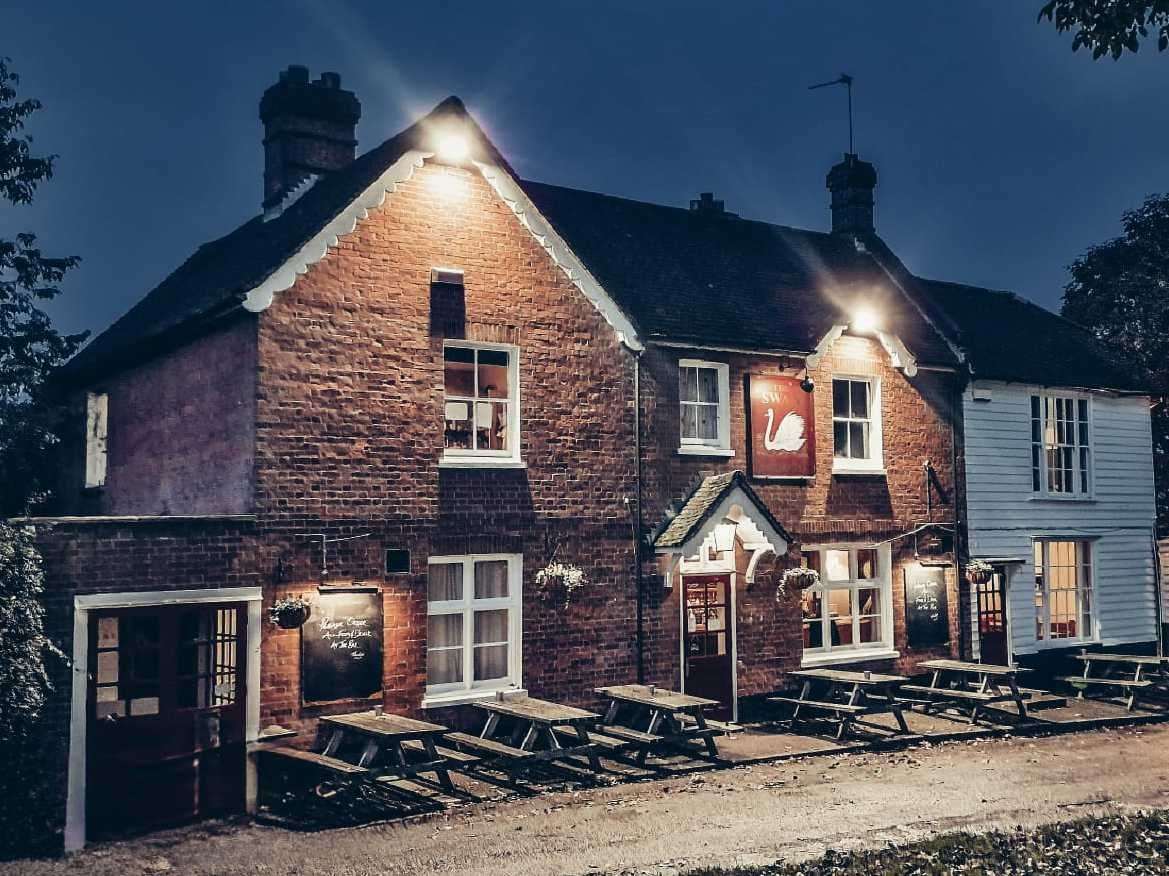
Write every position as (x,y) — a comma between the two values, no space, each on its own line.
(846,81)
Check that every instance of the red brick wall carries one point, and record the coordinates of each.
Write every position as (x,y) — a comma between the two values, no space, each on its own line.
(181,432)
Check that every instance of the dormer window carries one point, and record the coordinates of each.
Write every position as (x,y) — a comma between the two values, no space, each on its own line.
(480,403)
(703,408)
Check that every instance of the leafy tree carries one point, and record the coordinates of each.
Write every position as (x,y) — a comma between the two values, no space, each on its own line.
(1109,27)
(1120,290)
(30,348)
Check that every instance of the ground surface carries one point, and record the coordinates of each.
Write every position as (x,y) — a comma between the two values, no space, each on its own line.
(742,816)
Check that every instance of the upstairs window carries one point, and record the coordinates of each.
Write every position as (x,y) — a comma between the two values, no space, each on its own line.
(480,403)
(856,424)
(96,416)
(703,407)
(1061,453)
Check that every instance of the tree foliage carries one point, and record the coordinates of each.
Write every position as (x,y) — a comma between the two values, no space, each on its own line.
(1110,27)
(30,348)
(1120,290)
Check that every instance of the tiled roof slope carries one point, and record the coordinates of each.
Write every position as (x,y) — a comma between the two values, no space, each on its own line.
(1006,337)
(700,504)
(718,280)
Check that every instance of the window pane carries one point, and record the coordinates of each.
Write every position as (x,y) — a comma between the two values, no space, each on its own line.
(858,440)
(444,654)
(457,425)
(459,371)
(107,667)
(860,399)
(688,384)
(493,382)
(868,600)
(690,422)
(840,398)
(491,626)
(708,422)
(707,384)
(490,662)
(491,425)
(836,566)
(869,630)
(840,616)
(491,579)
(812,607)
(810,560)
(107,632)
(840,439)
(444,667)
(866,564)
(444,582)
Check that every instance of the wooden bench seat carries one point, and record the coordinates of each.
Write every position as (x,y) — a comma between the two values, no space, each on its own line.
(321,761)
(607,741)
(451,754)
(629,735)
(817,704)
(1118,682)
(490,746)
(954,693)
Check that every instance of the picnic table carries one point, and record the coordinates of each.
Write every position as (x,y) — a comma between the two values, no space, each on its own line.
(541,731)
(847,696)
(383,742)
(670,717)
(956,682)
(1123,671)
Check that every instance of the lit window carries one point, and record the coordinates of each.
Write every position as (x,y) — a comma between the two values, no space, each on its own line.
(96,425)
(703,406)
(1061,455)
(856,424)
(473,624)
(480,410)
(851,608)
(1063,589)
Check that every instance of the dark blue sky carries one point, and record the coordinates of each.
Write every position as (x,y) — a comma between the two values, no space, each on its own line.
(1001,154)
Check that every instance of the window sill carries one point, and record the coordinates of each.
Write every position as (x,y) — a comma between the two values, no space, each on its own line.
(466,697)
(863,471)
(812,660)
(1058,644)
(486,462)
(1056,497)
(696,450)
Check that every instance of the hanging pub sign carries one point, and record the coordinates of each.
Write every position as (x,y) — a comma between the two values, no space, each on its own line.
(781,427)
(341,646)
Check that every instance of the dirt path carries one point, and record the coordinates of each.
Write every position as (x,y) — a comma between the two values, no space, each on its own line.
(739,816)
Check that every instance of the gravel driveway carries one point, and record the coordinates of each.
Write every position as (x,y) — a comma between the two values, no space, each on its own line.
(739,816)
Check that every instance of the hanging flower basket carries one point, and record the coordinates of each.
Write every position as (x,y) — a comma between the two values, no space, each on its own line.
(978,571)
(796,579)
(290,613)
(563,579)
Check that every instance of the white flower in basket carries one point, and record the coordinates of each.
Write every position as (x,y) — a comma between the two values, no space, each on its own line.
(798,578)
(290,612)
(978,571)
(565,576)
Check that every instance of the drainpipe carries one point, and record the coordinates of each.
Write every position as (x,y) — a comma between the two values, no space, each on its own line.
(958,535)
(1158,595)
(637,518)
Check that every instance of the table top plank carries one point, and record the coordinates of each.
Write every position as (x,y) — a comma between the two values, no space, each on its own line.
(656,698)
(538,711)
(844,676)
(384,726)
(971,668)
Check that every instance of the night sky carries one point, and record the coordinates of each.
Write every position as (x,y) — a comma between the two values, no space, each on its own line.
(1001,154)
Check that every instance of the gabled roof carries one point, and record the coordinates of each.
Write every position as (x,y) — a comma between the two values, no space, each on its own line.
(718,280)
(1005,337)
(702,503)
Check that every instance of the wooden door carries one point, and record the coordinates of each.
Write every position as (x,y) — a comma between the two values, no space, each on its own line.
(991,602)
(707,635)
(166,716)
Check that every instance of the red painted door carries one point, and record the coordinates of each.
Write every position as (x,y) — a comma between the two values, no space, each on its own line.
(992,619)
(166,737)
(707,634)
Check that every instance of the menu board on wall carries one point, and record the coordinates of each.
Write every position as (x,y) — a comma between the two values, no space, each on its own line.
(927,620)
(341,647)
(781,428)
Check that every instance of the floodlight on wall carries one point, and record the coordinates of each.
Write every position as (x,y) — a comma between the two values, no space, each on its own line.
(452,147)
(865,320)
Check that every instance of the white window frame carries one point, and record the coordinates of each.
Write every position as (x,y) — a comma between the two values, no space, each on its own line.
(875,464)
(1084,570)
(469,690)
(721,445)
(466,458)
(96,438)
(1045,491)
(856,652)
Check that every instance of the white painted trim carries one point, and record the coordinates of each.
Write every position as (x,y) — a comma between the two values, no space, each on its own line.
(723,441)
(899,354)
(562,255)
(683,345)
(463,698)
(491,458)
(260,298)
(79,717)
(884,580)
(841,657)
(97,405)
(875,464)
(825,343)
(705,450)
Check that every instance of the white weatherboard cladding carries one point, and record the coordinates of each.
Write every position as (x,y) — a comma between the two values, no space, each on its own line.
(1005,515)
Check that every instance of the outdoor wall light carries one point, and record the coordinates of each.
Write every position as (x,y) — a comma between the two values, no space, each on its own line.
(452,147)
(865,320)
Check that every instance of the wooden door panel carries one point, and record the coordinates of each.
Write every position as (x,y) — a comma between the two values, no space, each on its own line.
(707,638)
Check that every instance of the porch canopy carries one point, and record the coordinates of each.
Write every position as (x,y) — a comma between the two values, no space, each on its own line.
(722,521)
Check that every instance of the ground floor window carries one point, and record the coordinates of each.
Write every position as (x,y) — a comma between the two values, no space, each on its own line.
(473,623)
(849,609)
(1063,589)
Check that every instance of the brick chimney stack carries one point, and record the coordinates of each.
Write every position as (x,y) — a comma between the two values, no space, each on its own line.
(309,128)
(851,183)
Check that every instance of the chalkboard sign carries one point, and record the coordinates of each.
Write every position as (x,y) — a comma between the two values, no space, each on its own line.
(341,647)
(927,620)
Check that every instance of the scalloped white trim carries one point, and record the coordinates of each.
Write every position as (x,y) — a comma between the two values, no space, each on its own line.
(560,253)
(291,197)
(898,353)
(260,298)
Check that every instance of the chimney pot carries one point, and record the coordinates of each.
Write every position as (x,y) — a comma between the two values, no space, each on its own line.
(851,183)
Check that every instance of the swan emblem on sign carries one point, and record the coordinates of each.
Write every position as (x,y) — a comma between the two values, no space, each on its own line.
(789,434)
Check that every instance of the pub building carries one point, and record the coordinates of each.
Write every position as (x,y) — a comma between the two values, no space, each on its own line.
(499,435)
